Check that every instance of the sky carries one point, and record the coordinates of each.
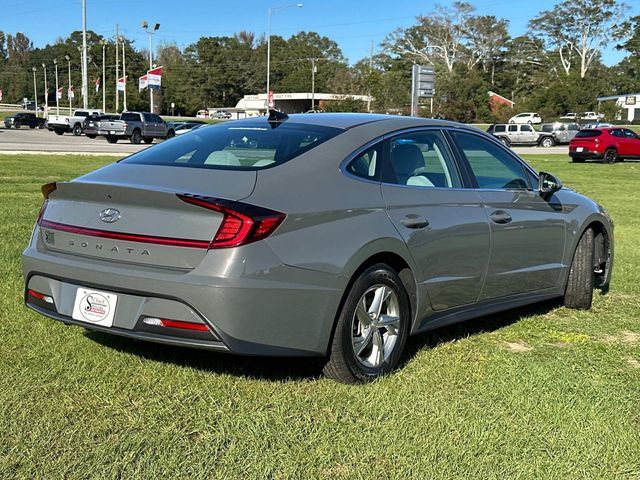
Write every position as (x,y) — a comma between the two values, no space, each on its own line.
(353,24)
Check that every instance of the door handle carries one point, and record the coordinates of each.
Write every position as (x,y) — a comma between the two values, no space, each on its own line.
(500,216)
(414,221)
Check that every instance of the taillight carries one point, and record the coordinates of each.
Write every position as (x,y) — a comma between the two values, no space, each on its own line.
(242,223)
(164,322)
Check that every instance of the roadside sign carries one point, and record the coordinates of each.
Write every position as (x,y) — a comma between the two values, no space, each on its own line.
(423,83)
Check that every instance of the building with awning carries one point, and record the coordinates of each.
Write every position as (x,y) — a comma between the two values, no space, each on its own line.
(292,102)
(629,104)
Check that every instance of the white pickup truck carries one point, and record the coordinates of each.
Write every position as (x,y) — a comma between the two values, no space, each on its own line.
(63,123)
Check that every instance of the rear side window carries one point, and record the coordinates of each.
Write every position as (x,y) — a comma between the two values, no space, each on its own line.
(499,128)
(547,128)
(367,164)
(588,133)
(130,117)
(244,145)
(513,128)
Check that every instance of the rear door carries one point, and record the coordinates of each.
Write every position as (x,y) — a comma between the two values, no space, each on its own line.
(527,231)
(513,134)
(444,225)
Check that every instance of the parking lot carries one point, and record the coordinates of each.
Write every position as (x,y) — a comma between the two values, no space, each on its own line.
(44,141)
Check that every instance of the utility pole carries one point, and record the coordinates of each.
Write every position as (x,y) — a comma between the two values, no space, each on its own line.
(55,62)
(117,70)
(46,92)
(370,72)
(85,78)
(68,59)
(313,83)
(35,90)
(124,75)
(104,84)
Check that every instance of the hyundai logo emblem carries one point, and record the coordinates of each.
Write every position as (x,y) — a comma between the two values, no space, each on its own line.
(110,215)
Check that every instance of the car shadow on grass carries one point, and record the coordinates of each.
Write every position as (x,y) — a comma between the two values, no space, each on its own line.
(293,368)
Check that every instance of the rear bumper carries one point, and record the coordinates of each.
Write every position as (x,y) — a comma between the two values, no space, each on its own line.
(586,155)
(111,133)
(252,303)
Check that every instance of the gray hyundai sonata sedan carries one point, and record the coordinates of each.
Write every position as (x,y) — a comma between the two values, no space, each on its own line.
(332,235)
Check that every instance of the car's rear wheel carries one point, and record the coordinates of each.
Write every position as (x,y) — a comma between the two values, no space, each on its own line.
(170,134)
(112,139)
(505,141)
(372,327)
(579,291)
(547,142)
(91,136)
(17,124)
(58,131)
(148,139)
(136,138)
(577,160)
(32,127)
(610,156)
(77,130)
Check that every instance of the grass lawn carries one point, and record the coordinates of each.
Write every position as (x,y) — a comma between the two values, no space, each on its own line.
(543,392)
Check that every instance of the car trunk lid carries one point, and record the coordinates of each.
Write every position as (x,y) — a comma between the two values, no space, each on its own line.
(132,214)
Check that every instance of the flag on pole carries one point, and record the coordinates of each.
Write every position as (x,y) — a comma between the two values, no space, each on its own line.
(154,78)
(0,95)
(270,101)
(97,85)
(59,93)
(122,84)
(143,82)
(70,93)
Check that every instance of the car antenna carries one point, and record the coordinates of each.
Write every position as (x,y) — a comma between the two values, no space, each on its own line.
(276,117)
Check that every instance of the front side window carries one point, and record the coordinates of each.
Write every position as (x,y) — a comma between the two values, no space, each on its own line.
(491,165)
(244,145)
(629,134)
(421,159)
(513,128)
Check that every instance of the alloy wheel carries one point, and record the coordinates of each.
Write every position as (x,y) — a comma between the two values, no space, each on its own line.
(375,326)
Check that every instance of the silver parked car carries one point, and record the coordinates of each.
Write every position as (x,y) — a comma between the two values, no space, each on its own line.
(332,235)
(562,132)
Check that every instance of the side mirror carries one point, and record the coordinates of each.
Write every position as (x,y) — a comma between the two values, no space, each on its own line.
(548,184)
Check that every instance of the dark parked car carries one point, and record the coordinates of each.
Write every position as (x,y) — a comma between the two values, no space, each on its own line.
(22,119)
(609,145)
(329,235)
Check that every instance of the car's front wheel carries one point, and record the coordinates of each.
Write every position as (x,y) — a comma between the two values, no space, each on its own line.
(372,327)
(505,141)
(579,291)
(77,130)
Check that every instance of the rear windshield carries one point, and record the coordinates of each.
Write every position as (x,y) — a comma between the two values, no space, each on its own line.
(588,133)
(130,117)
(547,128)
(242,145)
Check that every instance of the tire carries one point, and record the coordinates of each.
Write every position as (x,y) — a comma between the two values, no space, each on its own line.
(529,122)
(136,138)
(112,139)
(58,131)
(610,156)
(547,142)
(91,136)
(148,139)
(41,126)
(577,160)
(345,364)
(505,141)
(579,291)
(17,125)
(32,127)
(77,130)
(170,134)
(512,122)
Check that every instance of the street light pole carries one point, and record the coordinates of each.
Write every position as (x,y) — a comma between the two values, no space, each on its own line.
(104,83)
(35,90)
(150,31)
(68,59)
(313,83)
(55,62)
(85,78)
(124,75)
(46,91)
(270,12)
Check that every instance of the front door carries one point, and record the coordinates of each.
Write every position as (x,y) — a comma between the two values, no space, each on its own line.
(527,231)
(444,225)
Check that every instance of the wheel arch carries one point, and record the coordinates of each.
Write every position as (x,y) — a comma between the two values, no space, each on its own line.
(603,246)
(398,261)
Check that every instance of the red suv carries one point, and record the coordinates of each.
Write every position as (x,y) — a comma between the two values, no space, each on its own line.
(610,145)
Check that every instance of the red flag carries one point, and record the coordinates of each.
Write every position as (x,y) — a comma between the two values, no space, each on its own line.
(97,84)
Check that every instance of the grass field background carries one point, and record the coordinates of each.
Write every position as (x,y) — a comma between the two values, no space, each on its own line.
(543,392)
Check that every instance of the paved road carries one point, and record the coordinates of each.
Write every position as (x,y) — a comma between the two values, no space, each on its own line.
(43,141)
(36,140)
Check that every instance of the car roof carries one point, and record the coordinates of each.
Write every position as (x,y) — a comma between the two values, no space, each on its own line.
(350,120)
